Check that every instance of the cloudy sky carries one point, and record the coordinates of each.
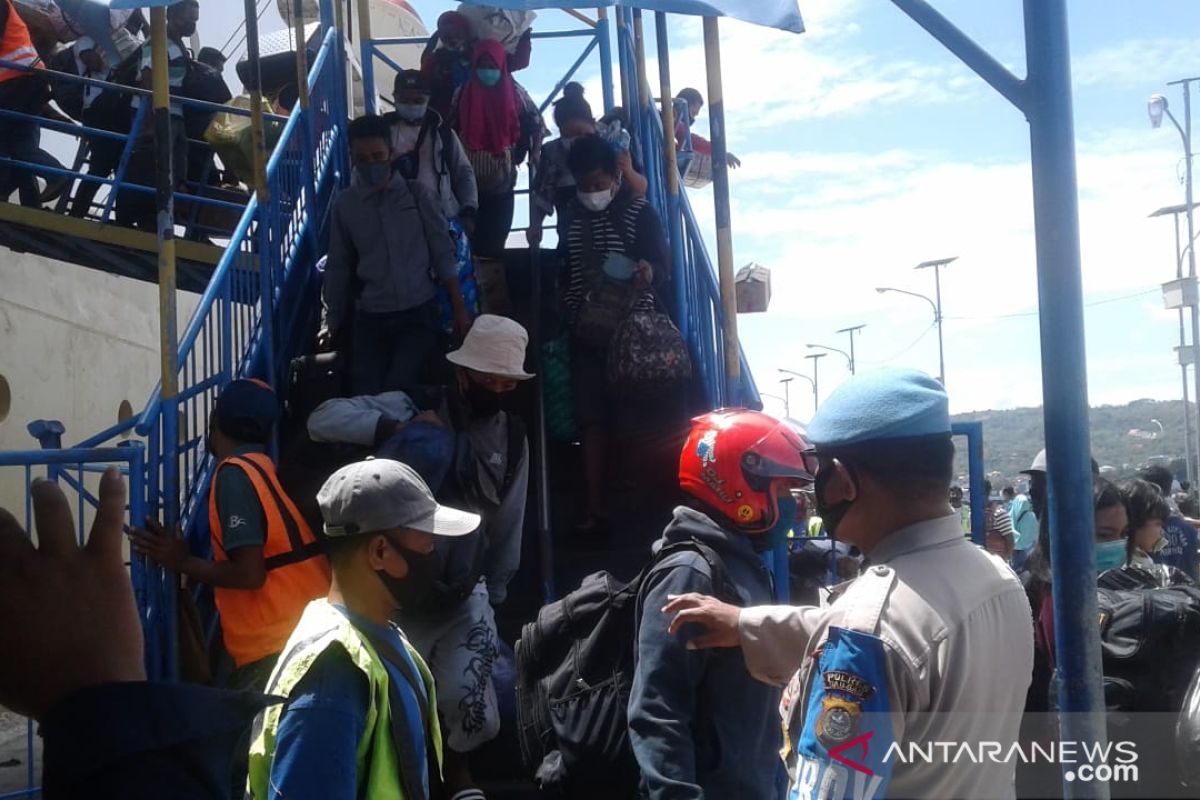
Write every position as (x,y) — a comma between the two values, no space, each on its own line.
(868,148)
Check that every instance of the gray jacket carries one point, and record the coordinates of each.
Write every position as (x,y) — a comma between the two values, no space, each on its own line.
(355,420)
(388,251)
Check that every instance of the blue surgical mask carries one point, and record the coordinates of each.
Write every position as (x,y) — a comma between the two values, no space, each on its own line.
(1110,555)
(488,76)
(411,112)
(375,174)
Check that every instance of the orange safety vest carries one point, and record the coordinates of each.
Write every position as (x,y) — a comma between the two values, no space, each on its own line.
(17,46)
(257,622)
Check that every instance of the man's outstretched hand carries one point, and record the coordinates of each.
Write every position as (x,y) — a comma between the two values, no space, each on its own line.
(67,615)
(720,620)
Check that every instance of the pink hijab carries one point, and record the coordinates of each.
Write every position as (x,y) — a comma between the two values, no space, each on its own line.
(487,115)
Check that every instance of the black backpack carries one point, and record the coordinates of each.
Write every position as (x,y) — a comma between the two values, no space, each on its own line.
(1149,640)
(574,674)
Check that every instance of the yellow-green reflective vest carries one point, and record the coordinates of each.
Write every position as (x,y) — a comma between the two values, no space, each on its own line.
(376,763)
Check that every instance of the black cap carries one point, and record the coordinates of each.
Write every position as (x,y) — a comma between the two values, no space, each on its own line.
(211,56)
(411,80)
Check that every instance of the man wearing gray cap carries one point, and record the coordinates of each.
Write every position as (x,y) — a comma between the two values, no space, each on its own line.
(474,454)
(933,643)
(360,719)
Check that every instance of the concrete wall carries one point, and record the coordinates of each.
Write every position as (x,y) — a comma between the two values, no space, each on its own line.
(75,345)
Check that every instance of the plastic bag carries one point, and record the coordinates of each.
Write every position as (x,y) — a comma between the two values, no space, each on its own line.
(230,137)
(501,25)
(698,172)
(556,389)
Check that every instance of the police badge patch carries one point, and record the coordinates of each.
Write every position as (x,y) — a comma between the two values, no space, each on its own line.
(841,706)
(838,721)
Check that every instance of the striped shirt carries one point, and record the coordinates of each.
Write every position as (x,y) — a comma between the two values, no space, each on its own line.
(630,228)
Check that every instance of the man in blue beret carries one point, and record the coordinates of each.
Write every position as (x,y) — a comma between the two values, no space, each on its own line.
(932,643)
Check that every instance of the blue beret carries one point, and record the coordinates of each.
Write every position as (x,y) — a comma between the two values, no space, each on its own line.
(246,410)
(879,405)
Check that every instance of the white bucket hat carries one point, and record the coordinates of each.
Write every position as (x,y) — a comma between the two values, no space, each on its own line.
(495,346)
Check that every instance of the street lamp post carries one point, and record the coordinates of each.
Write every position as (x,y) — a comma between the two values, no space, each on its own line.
(937,320)
(816,359)
(851,331)
(1157,107)
(849,358)
(805,377)
(937,265)
(787,396)
(1189,454)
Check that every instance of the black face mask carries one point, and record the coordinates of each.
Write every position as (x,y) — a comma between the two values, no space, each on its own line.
(831,515)
(423,572)
(483,403)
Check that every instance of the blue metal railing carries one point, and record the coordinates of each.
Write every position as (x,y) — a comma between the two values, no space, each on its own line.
(698,293)
(194,198)
(240,327)
(257,306)
(152,587)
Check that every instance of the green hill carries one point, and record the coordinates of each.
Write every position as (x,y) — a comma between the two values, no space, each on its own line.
(1123,437)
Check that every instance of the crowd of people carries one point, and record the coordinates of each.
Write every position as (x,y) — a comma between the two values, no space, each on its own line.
(363,652)
(88,82)
(358,619)
(461,125)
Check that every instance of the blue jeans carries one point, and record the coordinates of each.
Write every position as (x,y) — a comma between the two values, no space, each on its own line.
(390,350)
(1019,557)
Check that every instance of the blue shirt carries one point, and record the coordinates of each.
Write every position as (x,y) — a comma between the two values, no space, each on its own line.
(324,720)
(1024,522)
(1180,551)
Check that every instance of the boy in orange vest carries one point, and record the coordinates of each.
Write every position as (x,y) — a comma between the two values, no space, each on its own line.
(266,564)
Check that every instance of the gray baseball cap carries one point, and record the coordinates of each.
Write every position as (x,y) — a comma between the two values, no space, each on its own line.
(380,494)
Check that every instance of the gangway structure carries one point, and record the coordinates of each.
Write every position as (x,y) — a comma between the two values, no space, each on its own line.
(260,289)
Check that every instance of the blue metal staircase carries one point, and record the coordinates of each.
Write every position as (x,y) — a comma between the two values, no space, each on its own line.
(260,308)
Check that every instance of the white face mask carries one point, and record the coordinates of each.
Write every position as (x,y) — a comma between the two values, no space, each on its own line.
(597,201)
(411,112)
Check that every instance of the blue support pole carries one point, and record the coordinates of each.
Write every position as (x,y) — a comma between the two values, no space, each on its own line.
(604,37)
(671,170)
(366,53)
(973,431)
(1045,98)
(1064,375)
(780,574)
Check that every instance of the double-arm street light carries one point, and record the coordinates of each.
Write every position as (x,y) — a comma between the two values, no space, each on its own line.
(850,363)
(1157,108)
(937,318)
(937,265)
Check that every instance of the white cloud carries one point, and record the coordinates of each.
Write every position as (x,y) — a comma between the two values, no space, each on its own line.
(1136,62)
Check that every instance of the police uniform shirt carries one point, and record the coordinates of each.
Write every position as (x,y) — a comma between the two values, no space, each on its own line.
(934,625)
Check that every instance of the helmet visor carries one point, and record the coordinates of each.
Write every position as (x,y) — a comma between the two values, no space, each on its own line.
(783,453)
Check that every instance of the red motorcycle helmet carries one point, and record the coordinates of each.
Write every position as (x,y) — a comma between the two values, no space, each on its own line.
(733,460)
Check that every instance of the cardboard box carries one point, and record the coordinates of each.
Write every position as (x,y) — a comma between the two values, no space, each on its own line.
(753,285)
